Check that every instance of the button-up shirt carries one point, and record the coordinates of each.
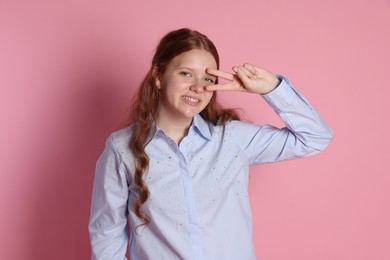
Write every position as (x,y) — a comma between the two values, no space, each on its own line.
(198,191)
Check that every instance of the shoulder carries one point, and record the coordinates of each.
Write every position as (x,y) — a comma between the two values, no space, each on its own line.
(118,144)
(237,125)
(120,139)
(241,132)
(234,129)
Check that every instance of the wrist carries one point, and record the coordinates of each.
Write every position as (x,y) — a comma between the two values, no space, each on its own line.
(273,84)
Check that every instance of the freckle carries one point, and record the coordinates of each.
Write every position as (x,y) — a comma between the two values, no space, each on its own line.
(170,157)
(158,162)
(213,168)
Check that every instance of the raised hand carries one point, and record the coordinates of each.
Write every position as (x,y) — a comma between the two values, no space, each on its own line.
(247,78)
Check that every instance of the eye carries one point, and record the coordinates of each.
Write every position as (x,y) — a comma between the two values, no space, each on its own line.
(210,80)
(185,73)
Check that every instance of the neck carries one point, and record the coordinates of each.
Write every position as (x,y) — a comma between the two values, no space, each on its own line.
(175,129)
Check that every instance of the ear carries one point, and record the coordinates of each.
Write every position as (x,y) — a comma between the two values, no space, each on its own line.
(158,83)
(156,77)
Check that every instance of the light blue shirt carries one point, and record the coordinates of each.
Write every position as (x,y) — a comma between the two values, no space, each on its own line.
(198,205)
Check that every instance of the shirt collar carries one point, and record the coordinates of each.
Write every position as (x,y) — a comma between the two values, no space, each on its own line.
(198,124)
(202,126)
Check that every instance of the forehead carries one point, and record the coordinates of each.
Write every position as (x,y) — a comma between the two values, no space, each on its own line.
(194,59)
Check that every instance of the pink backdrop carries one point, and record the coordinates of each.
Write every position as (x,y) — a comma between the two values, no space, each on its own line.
(67,73)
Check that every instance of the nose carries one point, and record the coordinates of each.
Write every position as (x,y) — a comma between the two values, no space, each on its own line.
(197,86)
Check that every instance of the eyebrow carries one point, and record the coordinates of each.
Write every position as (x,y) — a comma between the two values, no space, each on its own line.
(187,68)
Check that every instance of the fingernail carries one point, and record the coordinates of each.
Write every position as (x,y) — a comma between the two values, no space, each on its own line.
(235,69)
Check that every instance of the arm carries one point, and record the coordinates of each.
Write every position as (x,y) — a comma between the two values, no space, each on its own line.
(305,132)
(108,224)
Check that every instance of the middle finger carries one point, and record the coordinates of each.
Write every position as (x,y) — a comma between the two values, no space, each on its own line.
(222,74)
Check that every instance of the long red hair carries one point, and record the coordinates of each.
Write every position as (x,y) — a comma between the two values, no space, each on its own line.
(146,102)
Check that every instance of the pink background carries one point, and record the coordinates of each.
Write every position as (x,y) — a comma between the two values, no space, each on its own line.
(68,70)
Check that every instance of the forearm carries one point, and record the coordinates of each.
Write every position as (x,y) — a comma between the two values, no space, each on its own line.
(300,118)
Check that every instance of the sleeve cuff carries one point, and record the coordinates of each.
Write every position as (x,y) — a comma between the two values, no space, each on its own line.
(283,95)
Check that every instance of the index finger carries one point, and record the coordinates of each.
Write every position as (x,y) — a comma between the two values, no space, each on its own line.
(221,74)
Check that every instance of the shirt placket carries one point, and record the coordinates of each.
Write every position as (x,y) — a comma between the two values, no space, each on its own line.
(190,200)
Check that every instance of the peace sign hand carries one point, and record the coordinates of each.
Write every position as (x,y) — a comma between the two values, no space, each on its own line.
(247,78)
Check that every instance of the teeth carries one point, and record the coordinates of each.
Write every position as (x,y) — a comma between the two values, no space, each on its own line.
(191,99)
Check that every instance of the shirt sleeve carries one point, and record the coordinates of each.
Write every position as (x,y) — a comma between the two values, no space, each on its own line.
(305,132)
(108,224)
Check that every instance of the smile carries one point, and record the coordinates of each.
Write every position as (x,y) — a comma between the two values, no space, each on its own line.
(190,99)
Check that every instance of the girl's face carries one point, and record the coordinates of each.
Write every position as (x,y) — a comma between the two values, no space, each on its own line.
(182,86)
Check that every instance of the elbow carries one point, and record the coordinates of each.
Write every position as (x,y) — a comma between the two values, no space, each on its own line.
(324,139)
(329,135)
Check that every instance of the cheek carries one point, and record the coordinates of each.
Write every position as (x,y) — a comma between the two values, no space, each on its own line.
(209,96)
(174,88)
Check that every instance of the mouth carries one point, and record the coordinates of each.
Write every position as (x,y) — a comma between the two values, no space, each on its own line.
(191,100)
